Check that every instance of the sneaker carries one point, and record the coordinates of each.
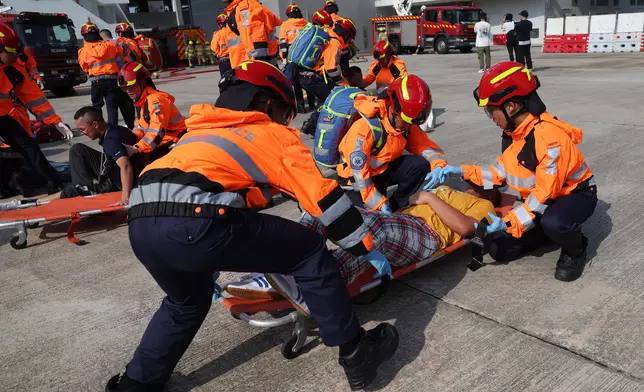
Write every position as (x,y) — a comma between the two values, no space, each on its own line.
(481,70)
(570,268)
(287,287)
(254,286)
(122,383)
(375,347)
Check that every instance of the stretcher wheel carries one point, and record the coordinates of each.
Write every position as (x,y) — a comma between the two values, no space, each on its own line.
(32,226)
(18,245)
(287,348)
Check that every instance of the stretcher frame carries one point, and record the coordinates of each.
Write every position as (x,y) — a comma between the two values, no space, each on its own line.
(19,240)
(243,309)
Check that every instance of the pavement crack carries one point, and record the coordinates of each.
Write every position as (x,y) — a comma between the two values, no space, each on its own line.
(606,366)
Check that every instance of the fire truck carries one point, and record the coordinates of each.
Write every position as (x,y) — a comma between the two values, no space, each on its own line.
(50,39)
(437,28)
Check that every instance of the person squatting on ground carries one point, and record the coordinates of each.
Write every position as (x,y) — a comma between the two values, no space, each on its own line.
(542,163)
(219,43)
(386,68)
(194,213)
(95,172)
(255,25)
(372,149)
(330,70)
(18,93)
(102,60)
(288,32)
(160,124)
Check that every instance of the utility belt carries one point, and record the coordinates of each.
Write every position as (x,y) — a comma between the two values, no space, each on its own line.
(589,184)
(524,43)
(103,77)
(307,74)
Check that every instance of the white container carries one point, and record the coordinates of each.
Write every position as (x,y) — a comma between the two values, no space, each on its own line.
(601,24)
(577,25)
(630,22)
(555,26)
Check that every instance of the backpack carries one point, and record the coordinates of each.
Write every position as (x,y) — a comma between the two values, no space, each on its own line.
(306,50)
(337,114)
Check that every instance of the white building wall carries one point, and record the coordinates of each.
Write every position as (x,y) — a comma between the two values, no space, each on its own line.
(496,9)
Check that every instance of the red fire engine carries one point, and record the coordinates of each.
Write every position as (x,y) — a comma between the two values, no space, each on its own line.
(437,28)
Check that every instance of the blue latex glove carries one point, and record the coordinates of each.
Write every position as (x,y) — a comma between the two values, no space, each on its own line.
(435,178)
(498,224)
(386,209)
(380,263)
(451,170)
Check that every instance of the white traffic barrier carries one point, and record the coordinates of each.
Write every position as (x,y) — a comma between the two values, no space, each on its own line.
(601,38)
(600,47)
(555,26)
(633,22)
(577,25)
(603,24)
(632,36)
(628,42)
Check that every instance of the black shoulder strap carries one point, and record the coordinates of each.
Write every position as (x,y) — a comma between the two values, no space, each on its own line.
(395,72)
(376,69)
(15,77)
(146,112)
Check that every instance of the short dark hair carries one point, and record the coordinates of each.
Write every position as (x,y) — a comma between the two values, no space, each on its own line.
(524,13)
(354,70)
(483,16)
(509,17)
(90,113)
(106,31)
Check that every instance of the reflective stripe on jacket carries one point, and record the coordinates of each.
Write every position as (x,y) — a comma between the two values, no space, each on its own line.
(14,79)
(159,123)
(100,58)
(257,27)
(384,76)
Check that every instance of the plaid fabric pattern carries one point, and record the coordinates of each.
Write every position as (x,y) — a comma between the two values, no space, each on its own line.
(403,239)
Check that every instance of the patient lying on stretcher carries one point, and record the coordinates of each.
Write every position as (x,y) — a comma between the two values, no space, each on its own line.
(433,222)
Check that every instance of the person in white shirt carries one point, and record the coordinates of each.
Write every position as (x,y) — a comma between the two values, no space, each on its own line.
(510,35)
(483,42)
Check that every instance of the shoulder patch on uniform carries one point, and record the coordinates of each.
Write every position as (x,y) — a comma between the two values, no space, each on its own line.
(358,160)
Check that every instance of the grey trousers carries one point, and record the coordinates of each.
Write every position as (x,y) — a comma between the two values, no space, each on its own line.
(485,61)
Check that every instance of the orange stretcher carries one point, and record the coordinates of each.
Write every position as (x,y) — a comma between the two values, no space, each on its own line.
(243,309)
(30,214)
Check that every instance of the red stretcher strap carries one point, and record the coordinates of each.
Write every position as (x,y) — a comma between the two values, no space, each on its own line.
(72,227)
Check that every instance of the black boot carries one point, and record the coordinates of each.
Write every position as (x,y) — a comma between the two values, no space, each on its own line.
(309,126)
(570,268)
(123,383)
(301,108)
(375,347)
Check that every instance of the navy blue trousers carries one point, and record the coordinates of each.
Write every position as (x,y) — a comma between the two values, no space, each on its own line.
(182,254)
(292,73)
(107,92)
(408,172)
(224,66)
(560,224)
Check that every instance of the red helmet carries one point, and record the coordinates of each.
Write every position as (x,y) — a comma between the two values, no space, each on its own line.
(9,41)
(322,18)
(132,73)
(123,27)
(332,5)
(262,74)
(382,50)
(292,8)
(411,99)
(89,28)
(504,81)
(346,29)
(221,20)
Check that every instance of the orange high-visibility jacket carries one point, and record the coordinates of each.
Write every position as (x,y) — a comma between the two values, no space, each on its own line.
(31,67)
(240,159)
(256,26)
(366,150)
(542,164)
(226,37)
(288,31)
(130,49)
(100,58)
(159,123)
(15,79)
(384,76)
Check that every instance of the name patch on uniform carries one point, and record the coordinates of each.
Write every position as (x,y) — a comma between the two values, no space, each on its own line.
(358,160)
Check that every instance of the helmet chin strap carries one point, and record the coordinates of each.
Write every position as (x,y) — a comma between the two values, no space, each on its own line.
(510,119)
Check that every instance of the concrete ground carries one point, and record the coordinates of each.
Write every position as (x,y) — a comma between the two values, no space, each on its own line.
(72,316)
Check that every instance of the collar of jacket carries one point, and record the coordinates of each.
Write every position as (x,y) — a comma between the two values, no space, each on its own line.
(523,129)
(205,117)
(371,107)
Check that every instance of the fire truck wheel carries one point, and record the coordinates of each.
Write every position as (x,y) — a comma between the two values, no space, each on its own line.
(62,92)
(442,46)
(466,50)
(395,44)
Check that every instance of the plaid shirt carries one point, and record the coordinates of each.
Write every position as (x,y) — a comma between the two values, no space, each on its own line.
(403,239)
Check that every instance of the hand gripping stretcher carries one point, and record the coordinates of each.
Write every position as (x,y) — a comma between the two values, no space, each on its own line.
(243,309)
(28,214)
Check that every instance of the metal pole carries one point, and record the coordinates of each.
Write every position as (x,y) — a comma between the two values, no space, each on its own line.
(178,11)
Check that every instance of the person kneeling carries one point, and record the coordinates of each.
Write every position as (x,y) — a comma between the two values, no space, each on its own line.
(95,172)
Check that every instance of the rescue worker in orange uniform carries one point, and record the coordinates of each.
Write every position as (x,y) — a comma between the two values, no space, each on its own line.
(14,83)
(160,123)
(331,7)
(219,45)
(372,149)
(542,163)
(30,65)
(194,213)
(386,68)
(330,70)
(288,31)
(323,19)
(255,25)
(125,39)
(101,60)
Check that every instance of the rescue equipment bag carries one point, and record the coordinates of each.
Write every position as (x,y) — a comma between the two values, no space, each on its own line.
(306,50)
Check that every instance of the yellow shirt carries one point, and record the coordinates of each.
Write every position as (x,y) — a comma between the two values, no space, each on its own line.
(469,205)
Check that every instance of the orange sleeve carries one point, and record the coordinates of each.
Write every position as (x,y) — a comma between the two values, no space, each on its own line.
(155,131)
(331,58)
(324,199)
(81,60)
(357,144)
(251,23)
(34,99)
(32,68)
(485,176)
(370,77)
(419,144)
